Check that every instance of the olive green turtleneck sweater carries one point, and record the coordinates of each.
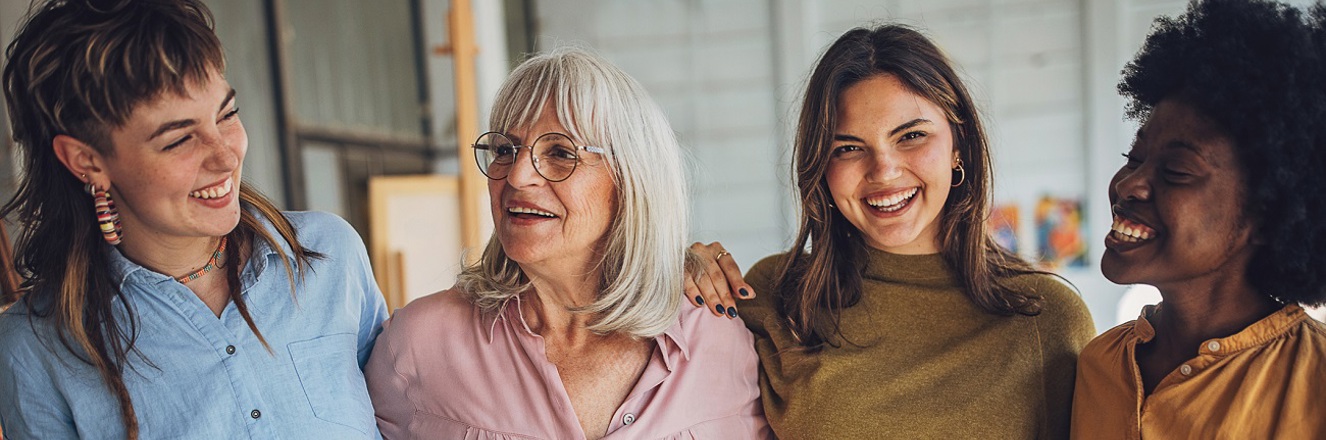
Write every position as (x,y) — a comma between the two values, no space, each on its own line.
(927,362)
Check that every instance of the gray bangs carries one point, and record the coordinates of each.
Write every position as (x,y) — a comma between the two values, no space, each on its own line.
(577,86)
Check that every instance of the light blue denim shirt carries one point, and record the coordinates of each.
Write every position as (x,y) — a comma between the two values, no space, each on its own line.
(212,378)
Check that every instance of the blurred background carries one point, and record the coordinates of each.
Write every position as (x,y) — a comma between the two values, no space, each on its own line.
(338,96)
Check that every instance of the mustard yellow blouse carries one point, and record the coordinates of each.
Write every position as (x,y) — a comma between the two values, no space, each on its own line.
(1267,381)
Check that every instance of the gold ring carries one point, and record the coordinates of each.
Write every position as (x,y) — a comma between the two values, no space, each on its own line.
(721,254)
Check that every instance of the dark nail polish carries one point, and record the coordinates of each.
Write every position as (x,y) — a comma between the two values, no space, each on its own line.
(719,308)
(732,312)
(699,300)
(744,292)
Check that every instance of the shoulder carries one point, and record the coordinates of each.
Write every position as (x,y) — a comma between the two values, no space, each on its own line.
(707,332)
(1112,341)
(431,317)
(717,360)
(317,230)
(763,276)
(22,335)
(767,269)
(1313,332)
(18,323)
(1064,320)
(317,220)
(1061,305)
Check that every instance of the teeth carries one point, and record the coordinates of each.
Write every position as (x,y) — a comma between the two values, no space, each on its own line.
(893,202)
(518,210)
(1130,231)
(221,190)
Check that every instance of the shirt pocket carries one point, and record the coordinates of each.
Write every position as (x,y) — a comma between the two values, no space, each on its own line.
(328,369)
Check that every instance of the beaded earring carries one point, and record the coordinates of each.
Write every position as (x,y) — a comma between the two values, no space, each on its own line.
(108,219)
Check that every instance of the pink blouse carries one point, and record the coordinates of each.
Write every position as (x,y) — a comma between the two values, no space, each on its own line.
(441,369)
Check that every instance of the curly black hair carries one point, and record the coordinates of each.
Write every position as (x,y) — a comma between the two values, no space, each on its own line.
(1255,67)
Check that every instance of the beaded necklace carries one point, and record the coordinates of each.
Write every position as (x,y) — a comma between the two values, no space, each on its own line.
(211,264)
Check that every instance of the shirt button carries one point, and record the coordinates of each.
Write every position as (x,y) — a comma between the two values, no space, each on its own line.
(628,419)
(255,414)
(230,349)
(1213,346)
(1185,369)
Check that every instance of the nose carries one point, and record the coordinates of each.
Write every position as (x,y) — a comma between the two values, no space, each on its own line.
(522,170)
(226,147)
(883,166)
(1131,185)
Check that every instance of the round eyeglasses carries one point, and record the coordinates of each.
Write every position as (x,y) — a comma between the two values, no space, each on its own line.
(554,155)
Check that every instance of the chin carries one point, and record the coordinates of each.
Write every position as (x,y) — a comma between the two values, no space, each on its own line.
(893,239)
(1116,271)
(217,229)
(517,251)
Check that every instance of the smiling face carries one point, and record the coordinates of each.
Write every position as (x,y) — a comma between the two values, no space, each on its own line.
(175,170)
(1178,204)
(891,165)
(538,221)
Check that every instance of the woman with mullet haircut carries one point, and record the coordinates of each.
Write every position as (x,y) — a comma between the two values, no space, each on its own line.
(161,297)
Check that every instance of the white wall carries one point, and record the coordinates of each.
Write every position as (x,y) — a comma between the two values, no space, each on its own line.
(708,64)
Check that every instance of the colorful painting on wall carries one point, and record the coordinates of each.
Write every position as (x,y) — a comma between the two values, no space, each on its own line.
(1004,226)
(1059,233)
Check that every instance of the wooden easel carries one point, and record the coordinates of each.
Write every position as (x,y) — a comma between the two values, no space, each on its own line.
(463,51)
(390,263)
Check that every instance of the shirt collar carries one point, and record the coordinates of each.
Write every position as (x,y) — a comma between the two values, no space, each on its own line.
(1260,332)
(673,341)
(670,343)
(122,269)
(263,249)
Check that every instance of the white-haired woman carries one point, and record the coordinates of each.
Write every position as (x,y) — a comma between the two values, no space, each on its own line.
(570,325)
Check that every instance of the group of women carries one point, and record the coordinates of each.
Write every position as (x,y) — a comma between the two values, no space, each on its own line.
(163,298)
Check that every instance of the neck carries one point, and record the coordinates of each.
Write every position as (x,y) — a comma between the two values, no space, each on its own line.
(552,302)
(1189,317)
(173,256)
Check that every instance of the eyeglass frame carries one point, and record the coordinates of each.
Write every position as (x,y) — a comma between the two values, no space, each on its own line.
(533,161)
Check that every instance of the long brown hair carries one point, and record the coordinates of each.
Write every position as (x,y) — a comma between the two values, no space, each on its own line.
(823,274)
(80,68)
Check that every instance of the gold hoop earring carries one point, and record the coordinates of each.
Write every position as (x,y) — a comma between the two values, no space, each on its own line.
(962,174)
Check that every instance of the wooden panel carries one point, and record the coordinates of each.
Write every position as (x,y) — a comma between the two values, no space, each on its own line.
(415,239)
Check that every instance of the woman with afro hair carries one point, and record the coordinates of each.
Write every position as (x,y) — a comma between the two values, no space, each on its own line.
(1220,205)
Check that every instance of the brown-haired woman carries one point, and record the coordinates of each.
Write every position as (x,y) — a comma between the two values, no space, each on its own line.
(145,295)
(895,315)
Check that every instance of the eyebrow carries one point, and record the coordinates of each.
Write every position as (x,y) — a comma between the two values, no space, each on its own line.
(1186,146)
(894,132)
(181,123)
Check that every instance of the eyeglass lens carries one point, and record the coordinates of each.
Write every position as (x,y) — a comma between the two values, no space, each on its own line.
(554,155)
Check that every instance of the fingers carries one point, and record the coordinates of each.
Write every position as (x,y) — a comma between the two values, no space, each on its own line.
(714,279)
(713,274)
(732,275)
(696,274)
(710,296)
(693,293)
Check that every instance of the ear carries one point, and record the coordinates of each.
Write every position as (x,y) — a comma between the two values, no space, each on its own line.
(957,159)
(82,160)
